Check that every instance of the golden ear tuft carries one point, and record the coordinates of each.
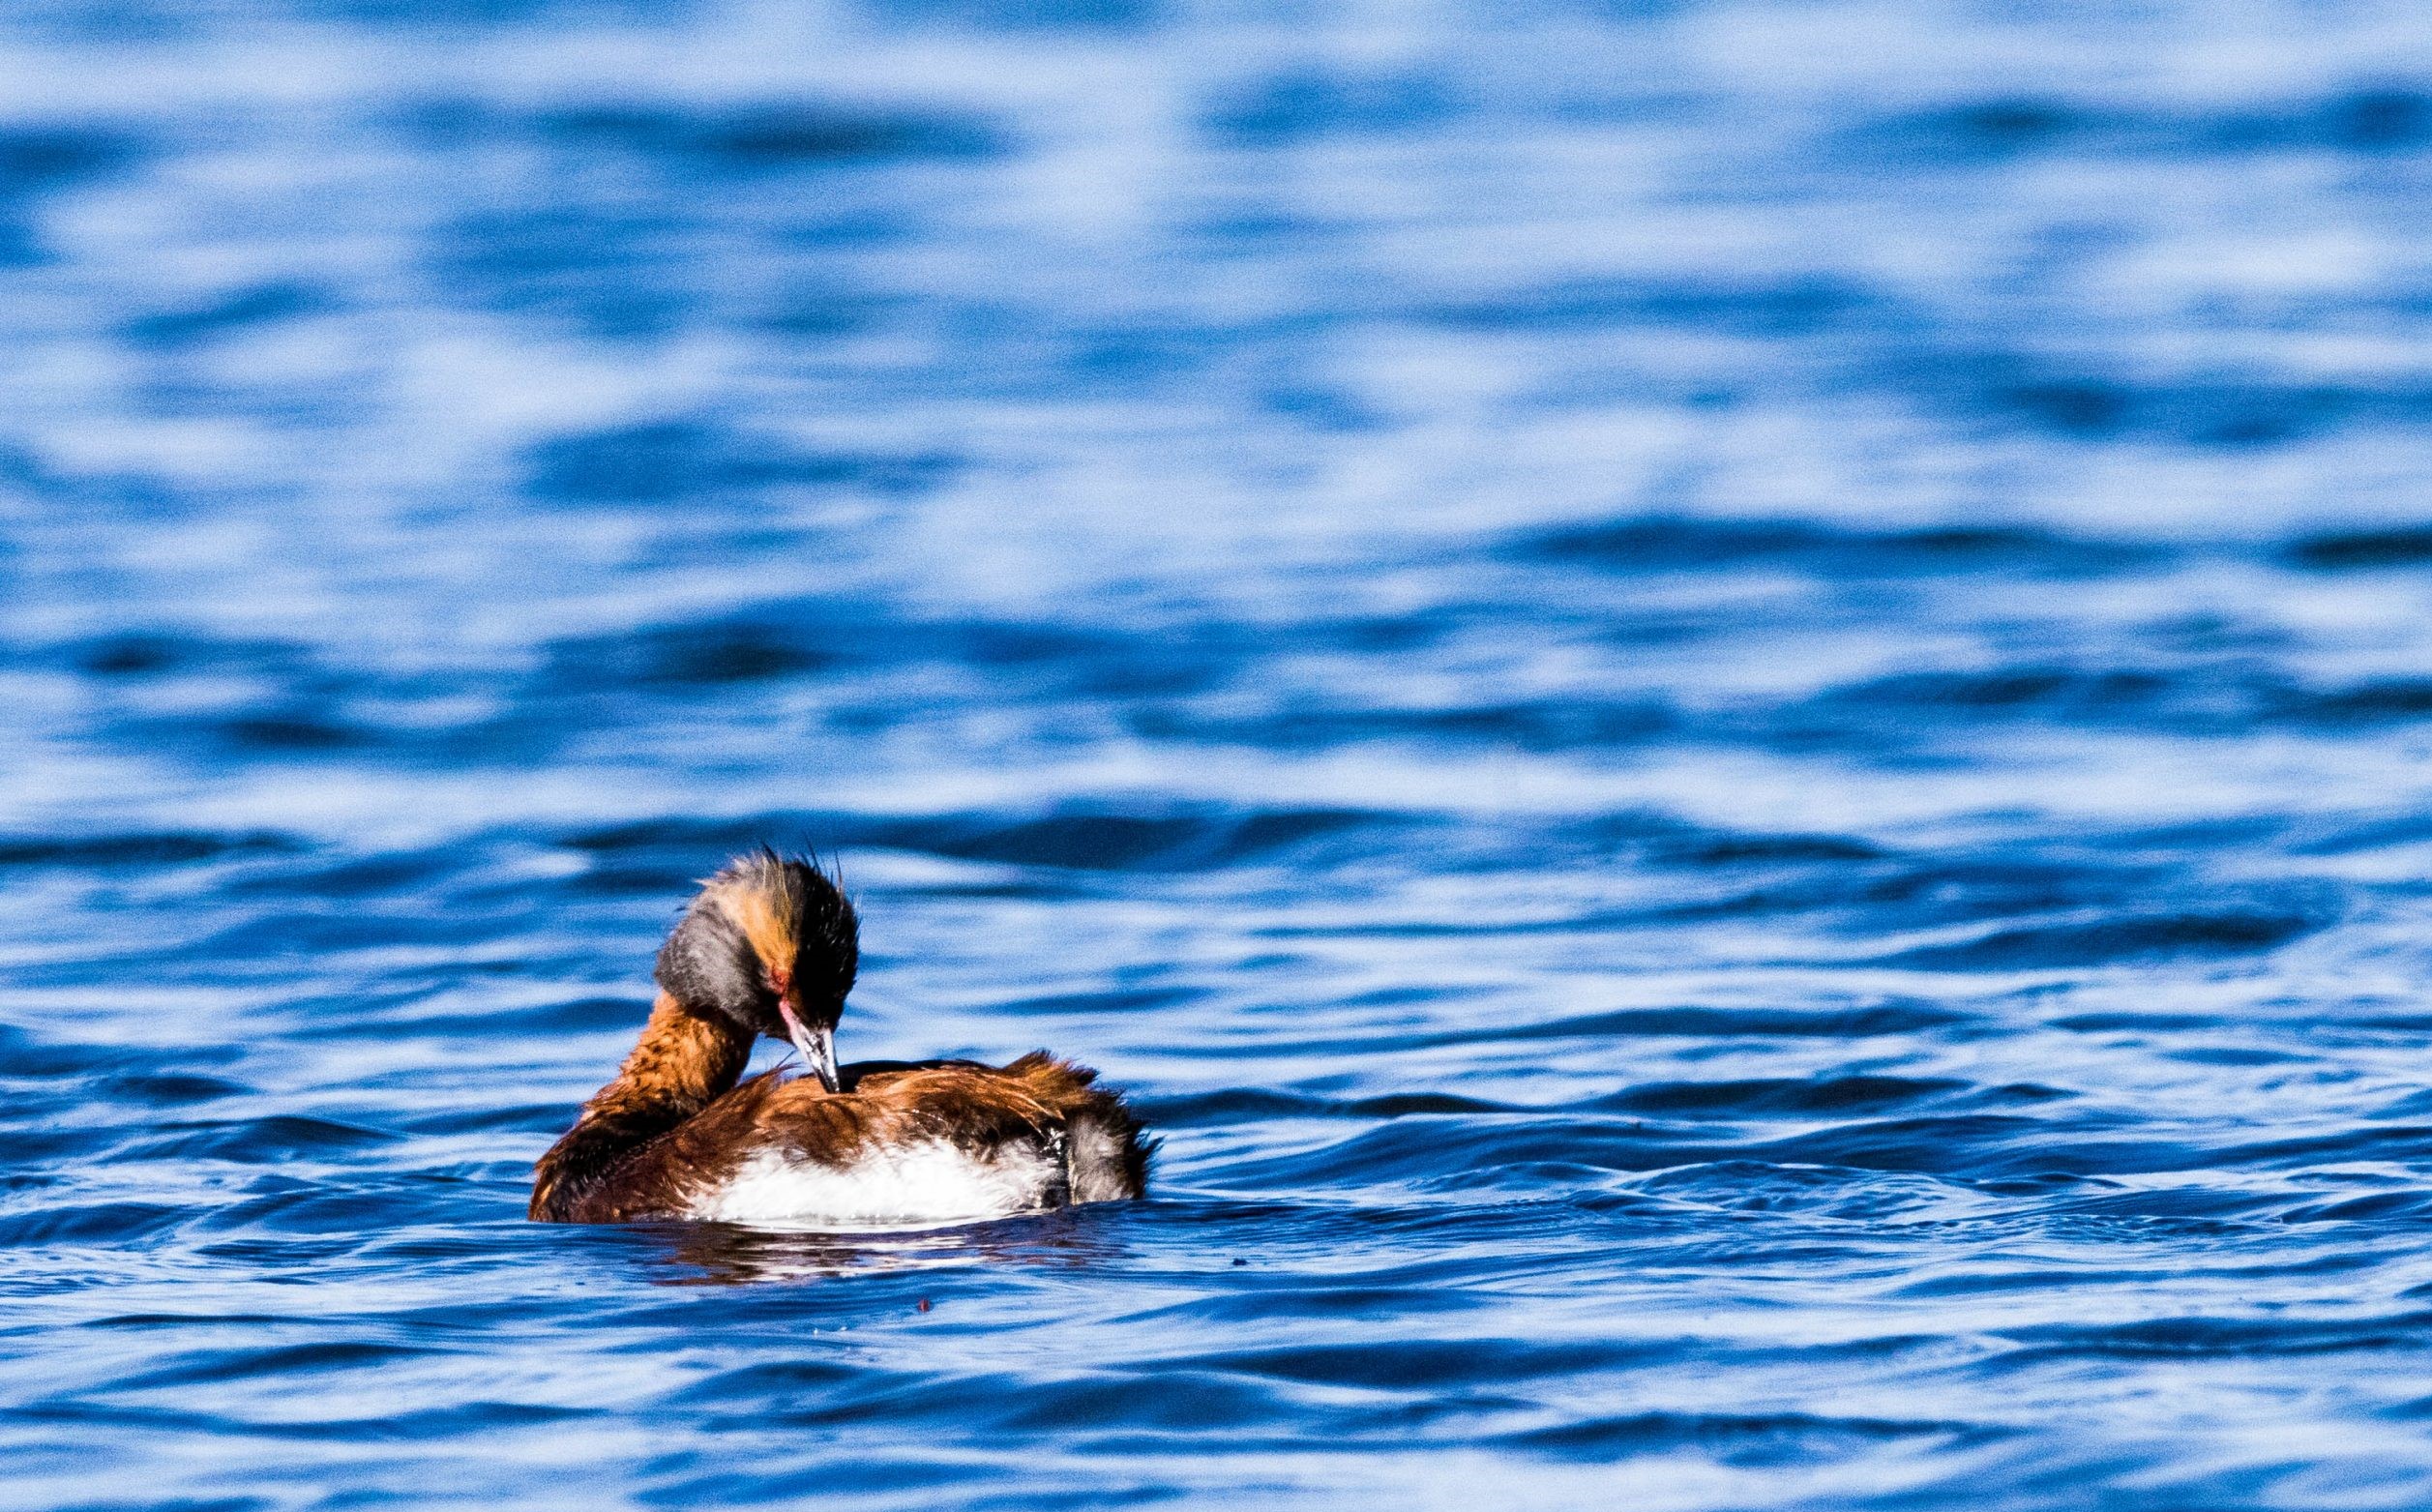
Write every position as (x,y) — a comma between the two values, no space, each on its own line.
(757,892)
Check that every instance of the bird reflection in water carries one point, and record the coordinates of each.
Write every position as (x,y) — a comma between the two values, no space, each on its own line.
(716,1255)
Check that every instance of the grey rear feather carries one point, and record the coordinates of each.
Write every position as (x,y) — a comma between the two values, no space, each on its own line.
(1104,1154)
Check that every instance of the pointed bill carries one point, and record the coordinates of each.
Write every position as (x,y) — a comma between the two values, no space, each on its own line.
(817,1046)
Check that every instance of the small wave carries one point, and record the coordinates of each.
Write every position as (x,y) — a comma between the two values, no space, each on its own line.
(1738,1438)
(774,136)
(2216,1337)
(2363,550)
(1675,543)
(277,1137)
(1853,1095)
(107,1224)
(169,1088)
(670,459)
(1847,1023)
(2368,120)
(1077,839)
(139,850)
(2104,942)
(300,1361)
(1412,1365)
(1251,1104)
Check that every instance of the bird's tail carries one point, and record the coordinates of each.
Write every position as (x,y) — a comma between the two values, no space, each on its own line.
(1105,1155)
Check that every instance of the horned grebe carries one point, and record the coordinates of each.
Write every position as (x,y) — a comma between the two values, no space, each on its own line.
(770,947)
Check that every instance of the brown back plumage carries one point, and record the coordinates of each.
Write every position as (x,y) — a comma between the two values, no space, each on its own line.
(979,1110)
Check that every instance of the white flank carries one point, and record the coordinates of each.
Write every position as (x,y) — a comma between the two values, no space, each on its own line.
(928,1181)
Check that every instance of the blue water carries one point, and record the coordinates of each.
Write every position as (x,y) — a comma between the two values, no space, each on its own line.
(1726,709)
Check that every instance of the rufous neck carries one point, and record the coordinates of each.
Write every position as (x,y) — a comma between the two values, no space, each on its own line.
(684,1061)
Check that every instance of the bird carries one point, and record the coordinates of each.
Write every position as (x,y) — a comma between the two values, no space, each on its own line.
(770,945)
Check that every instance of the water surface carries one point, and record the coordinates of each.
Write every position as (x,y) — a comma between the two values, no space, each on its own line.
(1722,706)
